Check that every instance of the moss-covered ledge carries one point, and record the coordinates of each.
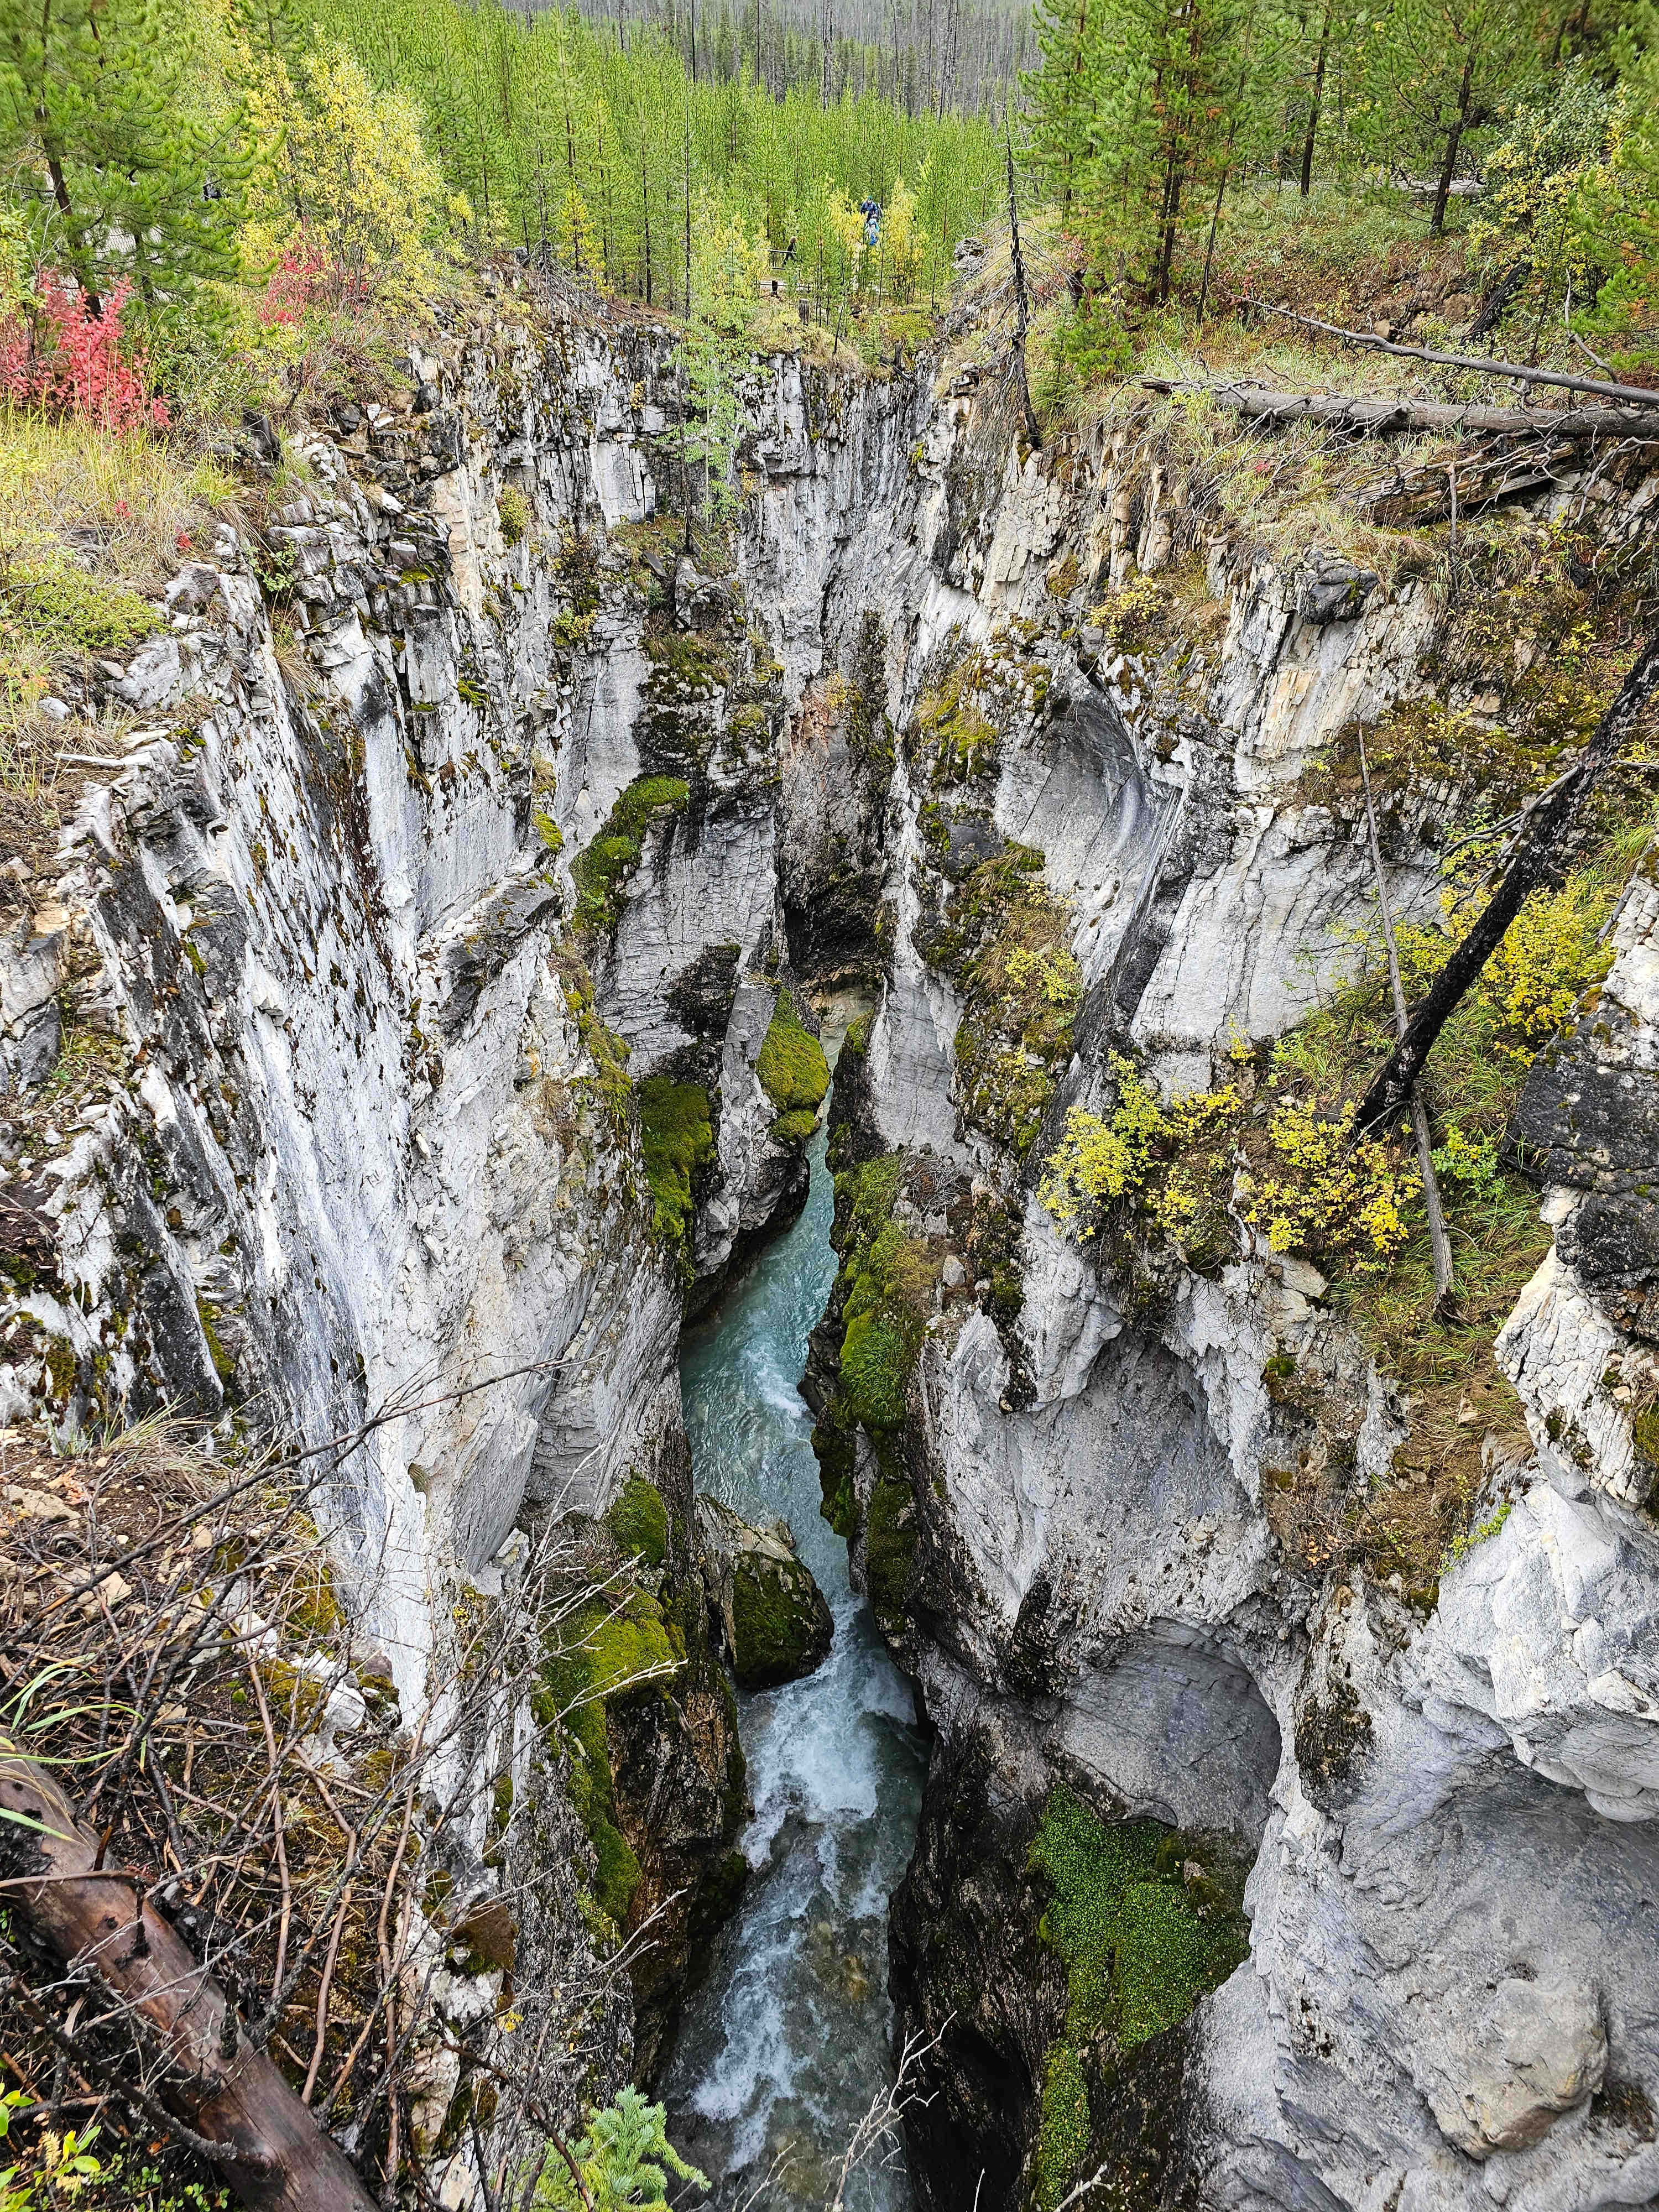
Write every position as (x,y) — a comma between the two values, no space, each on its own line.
(793,1071)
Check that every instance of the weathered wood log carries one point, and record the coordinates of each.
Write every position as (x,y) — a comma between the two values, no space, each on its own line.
(1539,854)
(1634,395)
(229,2093)
(1264,404)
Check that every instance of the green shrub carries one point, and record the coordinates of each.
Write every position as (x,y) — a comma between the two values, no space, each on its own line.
(514,511)
(625,2159)
(792,1068)
(677,1138)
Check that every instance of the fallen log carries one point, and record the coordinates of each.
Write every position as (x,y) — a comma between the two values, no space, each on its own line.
(1483,476)
(1635,395)
(239,2111)
(1263,403)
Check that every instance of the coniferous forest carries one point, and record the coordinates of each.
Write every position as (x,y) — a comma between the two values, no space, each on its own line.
(215,174)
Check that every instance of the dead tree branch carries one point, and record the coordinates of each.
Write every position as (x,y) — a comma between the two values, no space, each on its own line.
(1439,1242)
(1634,395)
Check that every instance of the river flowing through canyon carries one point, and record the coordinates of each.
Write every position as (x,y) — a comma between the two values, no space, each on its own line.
(783,2048)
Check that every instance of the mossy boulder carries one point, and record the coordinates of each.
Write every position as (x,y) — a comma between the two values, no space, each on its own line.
(777,1625)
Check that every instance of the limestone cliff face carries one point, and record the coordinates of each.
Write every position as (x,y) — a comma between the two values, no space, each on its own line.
(1076,1526)
(450,820)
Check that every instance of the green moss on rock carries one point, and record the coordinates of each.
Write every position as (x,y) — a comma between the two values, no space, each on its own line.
(889,1553)
(639,1520)
(794,1128)
(677,1136)
(1003,946)
(1063,2130)
(1147,1920)
(604,1650)
(782,1627)
(792,1068)
(602,869)
(874,1366)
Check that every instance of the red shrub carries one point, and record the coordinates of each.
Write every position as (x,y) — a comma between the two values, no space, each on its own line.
(67,360)
(306,278)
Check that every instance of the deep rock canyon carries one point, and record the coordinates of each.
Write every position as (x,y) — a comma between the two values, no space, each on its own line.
(445,915)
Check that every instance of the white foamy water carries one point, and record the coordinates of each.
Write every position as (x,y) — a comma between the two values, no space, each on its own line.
(783,2048)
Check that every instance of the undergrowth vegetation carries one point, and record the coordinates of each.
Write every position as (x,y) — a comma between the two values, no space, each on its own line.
(1270,1156)
(176,1653)
(1146,1919)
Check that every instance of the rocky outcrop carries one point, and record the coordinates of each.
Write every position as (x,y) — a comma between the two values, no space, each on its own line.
(777,1625)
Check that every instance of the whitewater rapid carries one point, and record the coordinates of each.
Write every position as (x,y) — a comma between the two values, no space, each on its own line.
(786,2044)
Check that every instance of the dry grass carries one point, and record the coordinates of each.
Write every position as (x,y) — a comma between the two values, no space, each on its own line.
(122,502)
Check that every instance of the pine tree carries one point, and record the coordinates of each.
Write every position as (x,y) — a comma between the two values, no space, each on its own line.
(1063,95)
(122,174)
(1438,71)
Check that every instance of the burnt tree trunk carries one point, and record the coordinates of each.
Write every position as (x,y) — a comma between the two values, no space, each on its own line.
(228,2093)
(1539,856)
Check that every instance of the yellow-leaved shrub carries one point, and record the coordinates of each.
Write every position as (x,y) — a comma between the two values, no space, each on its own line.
(1304,1182)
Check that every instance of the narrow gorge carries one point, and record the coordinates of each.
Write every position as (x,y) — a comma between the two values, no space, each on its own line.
(415,1053)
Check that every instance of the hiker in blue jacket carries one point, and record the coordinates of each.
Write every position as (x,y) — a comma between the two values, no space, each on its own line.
(871,210)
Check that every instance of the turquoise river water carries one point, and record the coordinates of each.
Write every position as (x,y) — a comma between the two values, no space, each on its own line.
(784,2046)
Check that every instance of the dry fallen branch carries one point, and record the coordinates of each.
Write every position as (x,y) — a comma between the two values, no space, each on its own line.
(1377,417)
(246,2118)
(1634,395)
(1439,1242)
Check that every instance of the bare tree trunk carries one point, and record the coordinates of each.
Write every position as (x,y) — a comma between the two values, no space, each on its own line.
(1318,93)
(1439,1242)
(1540,851)
(1267,404)
(225,2090)
(1453,138)
(1021,298)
